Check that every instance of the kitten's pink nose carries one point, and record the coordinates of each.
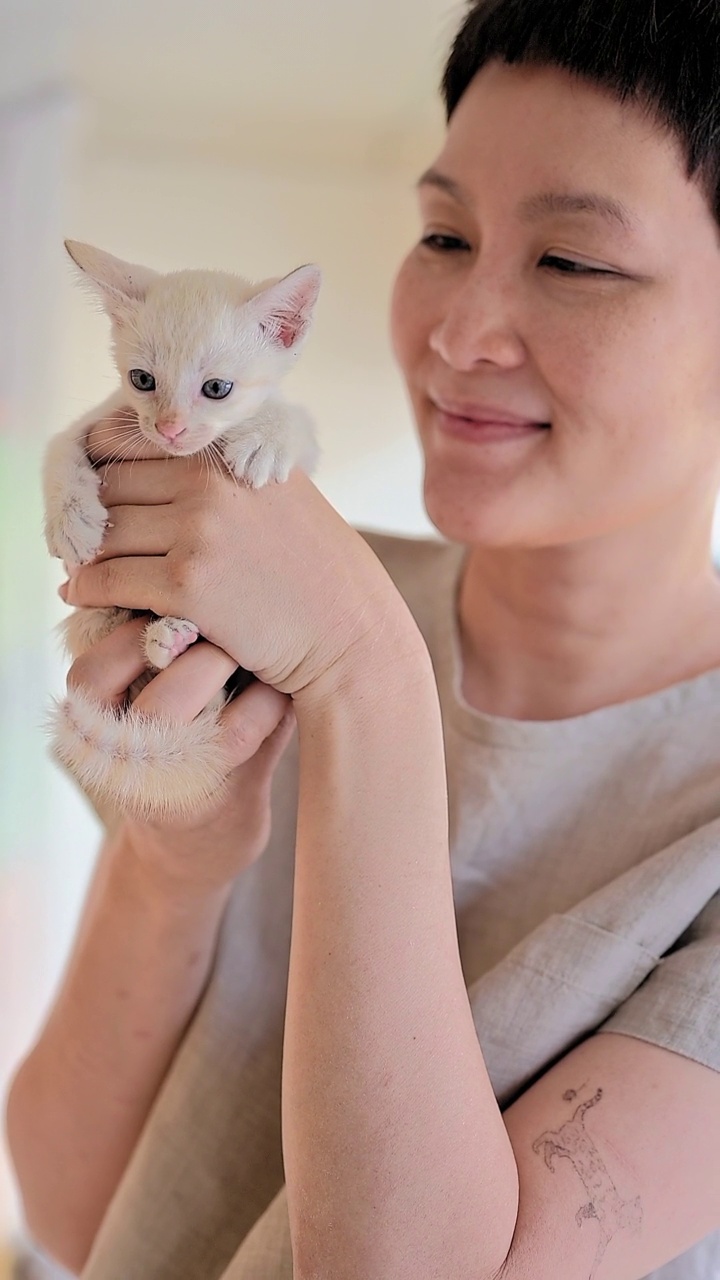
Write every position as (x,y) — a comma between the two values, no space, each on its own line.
(169,428)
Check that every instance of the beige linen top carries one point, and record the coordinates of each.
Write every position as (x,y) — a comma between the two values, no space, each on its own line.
(585,858)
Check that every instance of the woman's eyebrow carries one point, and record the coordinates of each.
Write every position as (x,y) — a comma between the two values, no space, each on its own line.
(533,208)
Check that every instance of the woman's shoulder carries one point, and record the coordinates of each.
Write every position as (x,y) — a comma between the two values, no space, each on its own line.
(408,558)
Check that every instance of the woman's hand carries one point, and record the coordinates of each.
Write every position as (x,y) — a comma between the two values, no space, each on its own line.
(211,849)
(273,576)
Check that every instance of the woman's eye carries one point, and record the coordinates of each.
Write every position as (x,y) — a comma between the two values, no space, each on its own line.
(216,388)
(443,244)
(569,268)
(141,380)
(440,243)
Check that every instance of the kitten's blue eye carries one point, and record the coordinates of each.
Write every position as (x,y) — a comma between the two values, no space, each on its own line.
(142,380)
(216,389)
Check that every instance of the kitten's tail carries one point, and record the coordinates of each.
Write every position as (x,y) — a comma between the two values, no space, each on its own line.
(150,768)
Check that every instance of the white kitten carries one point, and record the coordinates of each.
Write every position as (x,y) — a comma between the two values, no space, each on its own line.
(199,354)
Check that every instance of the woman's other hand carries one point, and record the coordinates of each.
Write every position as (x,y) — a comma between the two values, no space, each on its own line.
(210,849)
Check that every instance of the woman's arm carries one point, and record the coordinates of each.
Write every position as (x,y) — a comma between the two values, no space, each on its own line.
(397,1159)
(143,950)
(80,1099)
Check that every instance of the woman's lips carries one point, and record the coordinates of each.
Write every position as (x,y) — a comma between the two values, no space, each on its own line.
(484,432)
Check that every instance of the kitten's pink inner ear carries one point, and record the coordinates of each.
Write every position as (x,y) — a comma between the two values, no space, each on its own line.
(290,318)
(287,329)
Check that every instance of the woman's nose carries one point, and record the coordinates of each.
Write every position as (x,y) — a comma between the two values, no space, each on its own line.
(477,325)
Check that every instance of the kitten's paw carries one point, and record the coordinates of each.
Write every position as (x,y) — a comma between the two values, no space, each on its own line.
(75,521)
(260,461)
(266,447)
(166,638)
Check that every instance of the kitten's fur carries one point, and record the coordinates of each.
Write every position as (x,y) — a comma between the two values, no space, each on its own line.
(187,329)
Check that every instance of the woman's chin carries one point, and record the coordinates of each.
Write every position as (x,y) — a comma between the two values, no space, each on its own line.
(488,494)
(483,515)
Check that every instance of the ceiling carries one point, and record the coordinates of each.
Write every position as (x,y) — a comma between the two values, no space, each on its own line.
(308,81)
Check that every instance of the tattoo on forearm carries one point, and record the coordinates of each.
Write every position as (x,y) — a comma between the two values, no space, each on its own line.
(572,1142)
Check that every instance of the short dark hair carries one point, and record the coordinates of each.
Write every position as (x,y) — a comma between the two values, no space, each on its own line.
(664,54)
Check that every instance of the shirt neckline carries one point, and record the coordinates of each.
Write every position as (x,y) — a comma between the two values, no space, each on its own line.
(565,734)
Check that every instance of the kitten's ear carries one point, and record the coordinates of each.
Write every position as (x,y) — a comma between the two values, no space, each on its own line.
(285,308)
(117,283)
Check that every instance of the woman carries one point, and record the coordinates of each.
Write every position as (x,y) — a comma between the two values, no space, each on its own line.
(505,1061)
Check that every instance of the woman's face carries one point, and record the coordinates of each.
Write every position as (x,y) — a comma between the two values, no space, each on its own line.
(624,365)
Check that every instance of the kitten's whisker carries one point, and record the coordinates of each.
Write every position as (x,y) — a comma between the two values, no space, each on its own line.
(126,443)
(218,461)
(116,418)
(120,435)
(226,470)
(205,459)
(117,436)
(212,459)
(219,458)
(122,454)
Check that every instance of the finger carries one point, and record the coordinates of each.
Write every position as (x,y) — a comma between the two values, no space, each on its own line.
(257,723)
(182,690)
(108,668)
(149,481)
(141,531)
(130,582)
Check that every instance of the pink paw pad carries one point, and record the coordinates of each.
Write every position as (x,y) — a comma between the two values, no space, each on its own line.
(181,640)
(165,640)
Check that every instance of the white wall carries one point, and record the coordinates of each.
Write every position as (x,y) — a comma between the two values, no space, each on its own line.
(36,111)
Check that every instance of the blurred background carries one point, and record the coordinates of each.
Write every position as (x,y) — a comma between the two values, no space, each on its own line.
(247,135)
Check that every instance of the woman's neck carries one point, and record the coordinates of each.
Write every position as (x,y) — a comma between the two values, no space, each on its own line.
(543,638)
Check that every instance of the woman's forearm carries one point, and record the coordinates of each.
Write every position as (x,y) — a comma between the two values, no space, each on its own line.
(79,1100)
(397,1159)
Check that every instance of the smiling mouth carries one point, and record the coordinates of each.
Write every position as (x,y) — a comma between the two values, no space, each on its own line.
(486,434)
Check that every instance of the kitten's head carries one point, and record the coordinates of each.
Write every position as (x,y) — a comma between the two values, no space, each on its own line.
(198,351)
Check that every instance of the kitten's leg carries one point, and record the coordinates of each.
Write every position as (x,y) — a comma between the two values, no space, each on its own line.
(268,445)
(75,518)
(85,627)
